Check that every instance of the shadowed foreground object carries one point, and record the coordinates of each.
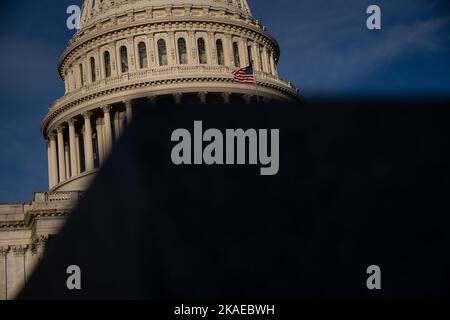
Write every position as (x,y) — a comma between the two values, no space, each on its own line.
(358,186)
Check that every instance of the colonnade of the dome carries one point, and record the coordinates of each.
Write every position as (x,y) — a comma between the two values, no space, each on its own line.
(82,143)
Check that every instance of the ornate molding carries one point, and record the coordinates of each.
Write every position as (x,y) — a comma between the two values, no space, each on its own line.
(106,108)
(268,82)
(20,250)
(4,251)
(38,243)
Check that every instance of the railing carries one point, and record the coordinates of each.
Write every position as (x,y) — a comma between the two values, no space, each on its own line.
(163,73)
(51,197)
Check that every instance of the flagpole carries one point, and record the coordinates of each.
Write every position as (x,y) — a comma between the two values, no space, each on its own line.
(256,85)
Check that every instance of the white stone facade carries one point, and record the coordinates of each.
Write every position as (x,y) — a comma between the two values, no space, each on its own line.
(128,50)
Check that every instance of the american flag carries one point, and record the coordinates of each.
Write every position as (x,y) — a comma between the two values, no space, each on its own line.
(244,75)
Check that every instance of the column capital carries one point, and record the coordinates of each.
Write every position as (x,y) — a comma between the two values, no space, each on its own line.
(87,115)
(202,96)
(247,98)
(52,136)
(128,103)
(151,99)
(72,121)
(226,97)
(178,96)
(106,108)
(4,251)
(60,129)
(20,250)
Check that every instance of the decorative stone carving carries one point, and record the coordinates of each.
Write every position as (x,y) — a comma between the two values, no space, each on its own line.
(4,251)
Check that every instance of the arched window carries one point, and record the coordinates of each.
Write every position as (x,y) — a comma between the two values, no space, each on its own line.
(182,51)
(142,48)
(202,51)
(162,52)
(93,74)
(237,59)
(260,59)
(81,74)
(124,59)
(72,79)
(250,55)
(107,61)
(220,55)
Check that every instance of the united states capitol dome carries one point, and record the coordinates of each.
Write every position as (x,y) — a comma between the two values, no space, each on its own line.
(94,10)
(153,50)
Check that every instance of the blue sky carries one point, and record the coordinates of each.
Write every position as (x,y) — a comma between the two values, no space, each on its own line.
(326,51)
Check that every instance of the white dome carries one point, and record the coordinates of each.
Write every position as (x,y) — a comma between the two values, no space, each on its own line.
(155,51)
(95,10)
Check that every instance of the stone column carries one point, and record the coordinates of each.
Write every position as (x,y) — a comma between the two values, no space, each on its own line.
(132,65)
(108,129)
(101,147)
(228,51)
(18,271)
(151,51)
(3,273)
(273,64)
(213,49)
(152,100)
(247,98)
(202,96)
(256,57)
(88,147)
(192,45)
(30,263)
(244,54)
(123,121)
(177,97)
(129,109)
(117,128)
(171,52)
(67,158)
(53,160)
(77,145)
(50,173)
(266,61)
(226,97)
(73,149)
(61,155)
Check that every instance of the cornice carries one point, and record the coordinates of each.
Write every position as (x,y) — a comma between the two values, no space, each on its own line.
(31,217)
(55,111)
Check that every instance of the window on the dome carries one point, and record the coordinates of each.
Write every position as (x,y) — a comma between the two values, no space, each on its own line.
(162,52)
(237,59)
(182,51)
(124,59)
(107,60)
(220,55)
(93,74)
(81,74)
(202,51)
(250,55)
(142,48)
(260,59)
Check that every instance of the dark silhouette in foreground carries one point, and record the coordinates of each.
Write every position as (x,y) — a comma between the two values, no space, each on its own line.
(358,185)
